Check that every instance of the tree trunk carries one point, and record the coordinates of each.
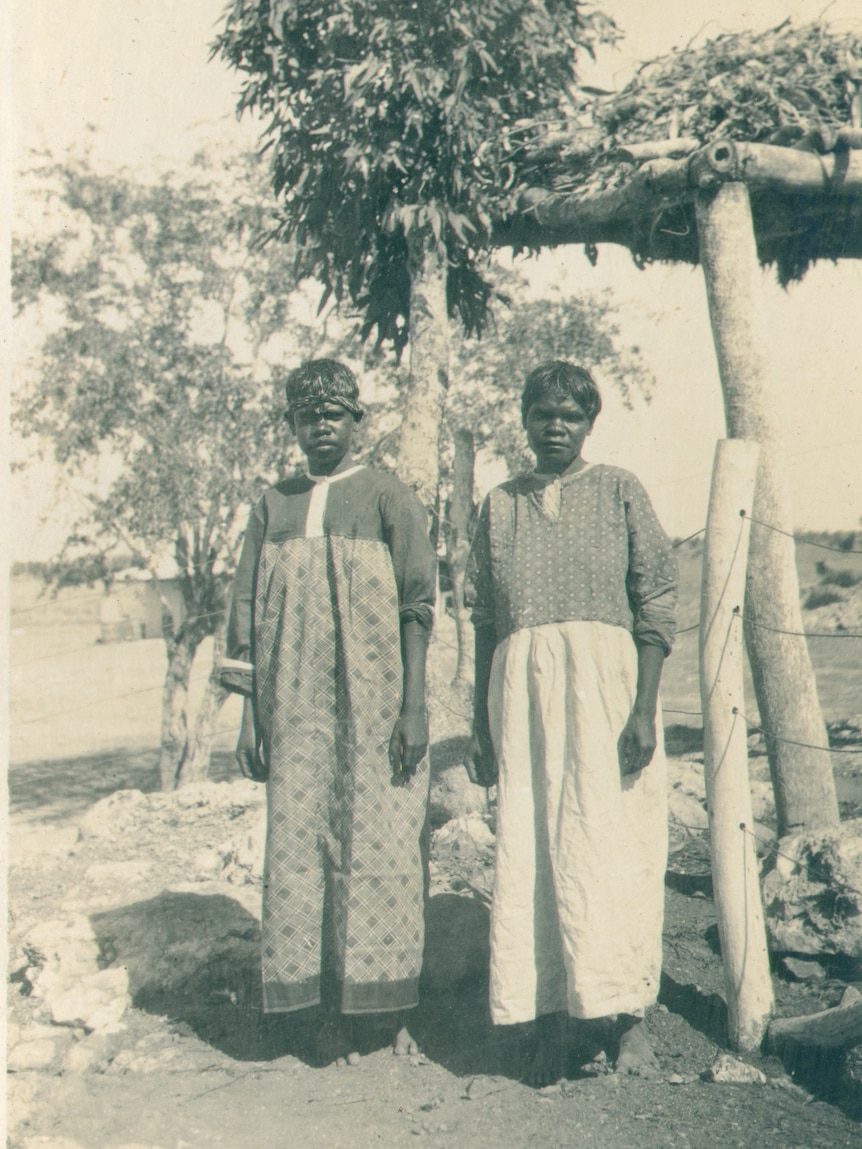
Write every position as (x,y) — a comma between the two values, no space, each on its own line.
(175,697)
(783,676)
(419,443)
(735,872)
(196,766)
(456,531)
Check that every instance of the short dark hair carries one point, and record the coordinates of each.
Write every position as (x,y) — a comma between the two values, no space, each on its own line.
(320,380)
(567,379)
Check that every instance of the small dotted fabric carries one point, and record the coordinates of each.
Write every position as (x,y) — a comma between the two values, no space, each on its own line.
(585,546)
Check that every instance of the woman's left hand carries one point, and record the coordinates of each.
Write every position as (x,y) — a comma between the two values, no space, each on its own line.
(408,744)
(637,743)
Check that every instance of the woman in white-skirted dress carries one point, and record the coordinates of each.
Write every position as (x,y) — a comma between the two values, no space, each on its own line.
(573,587)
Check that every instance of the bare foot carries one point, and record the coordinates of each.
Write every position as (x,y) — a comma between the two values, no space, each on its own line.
(636,1057)
(548,1063)
(404,1045)
(335,1044)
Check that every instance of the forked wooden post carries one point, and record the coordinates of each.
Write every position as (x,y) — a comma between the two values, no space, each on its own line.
(735,876)
(753,399)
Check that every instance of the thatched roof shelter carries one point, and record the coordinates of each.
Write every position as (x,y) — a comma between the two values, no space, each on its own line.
(742,152)
(780,110)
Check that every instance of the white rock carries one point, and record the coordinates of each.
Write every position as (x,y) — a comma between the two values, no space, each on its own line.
(249,850)
(108,1019)
(94,1052)
(453,795)
(813,897)
(464,835)
(686,811)
(67,943)
(113,815)
(208,863)
(31,1055)
(21,1092)
(130,1060)
(687,777)
(729,1070)
(240,794)
(85,1001)
(762,801)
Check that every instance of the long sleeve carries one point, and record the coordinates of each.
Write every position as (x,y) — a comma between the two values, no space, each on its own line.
(478,584)
(652,582)
(240,628)
(413,558)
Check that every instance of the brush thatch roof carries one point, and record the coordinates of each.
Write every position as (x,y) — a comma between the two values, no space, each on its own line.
(741,106)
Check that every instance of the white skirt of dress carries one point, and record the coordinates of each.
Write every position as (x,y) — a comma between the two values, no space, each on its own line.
(581,853)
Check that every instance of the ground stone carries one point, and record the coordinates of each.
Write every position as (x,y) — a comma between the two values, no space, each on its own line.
(464,836)
(36,1054)
(65,946)
(95,1052)
(813,896)
(729,1070)
(96,1001)
(249,850)
(453,795)
(113,815)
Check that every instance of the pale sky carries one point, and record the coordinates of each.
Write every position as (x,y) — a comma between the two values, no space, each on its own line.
(137,71)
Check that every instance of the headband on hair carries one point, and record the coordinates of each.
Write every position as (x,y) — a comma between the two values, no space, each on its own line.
(322,381)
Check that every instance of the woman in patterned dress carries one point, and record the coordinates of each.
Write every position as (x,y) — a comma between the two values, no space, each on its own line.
(331,611)
(573,588)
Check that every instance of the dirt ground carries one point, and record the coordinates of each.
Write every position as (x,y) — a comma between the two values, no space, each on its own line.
(195,1065)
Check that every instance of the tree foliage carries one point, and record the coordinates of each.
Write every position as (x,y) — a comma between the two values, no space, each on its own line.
(485,397)
(788,85)
(386,117)
(149,386)
(162,308)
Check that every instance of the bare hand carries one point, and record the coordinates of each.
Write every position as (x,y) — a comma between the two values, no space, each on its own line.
(637,744)
(480,761)
(408,744)
(248,754)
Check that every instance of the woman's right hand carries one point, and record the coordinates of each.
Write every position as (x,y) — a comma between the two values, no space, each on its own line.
(248,755)
(480,761)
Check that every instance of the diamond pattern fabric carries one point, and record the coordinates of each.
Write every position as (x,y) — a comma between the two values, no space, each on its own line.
(343,877)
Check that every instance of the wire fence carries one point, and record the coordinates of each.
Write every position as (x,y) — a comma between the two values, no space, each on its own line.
(746,618)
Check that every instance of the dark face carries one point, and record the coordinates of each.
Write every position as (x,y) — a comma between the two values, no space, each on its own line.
(324,433)
(556,430)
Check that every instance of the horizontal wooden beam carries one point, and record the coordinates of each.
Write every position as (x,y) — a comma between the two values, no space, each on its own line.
(779,169)
(836,1028)
(617,214)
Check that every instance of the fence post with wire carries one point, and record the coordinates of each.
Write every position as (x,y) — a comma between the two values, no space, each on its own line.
(735,872)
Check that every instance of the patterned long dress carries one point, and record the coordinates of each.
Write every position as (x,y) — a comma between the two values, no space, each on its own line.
(329,570)
(568,571)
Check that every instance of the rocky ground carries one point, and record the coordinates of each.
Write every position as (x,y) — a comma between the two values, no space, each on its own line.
(134,993)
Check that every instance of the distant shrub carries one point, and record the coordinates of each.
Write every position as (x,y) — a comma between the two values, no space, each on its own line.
(843,578)
(818,597)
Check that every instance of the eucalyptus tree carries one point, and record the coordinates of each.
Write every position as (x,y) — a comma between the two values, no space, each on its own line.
(396,130)
(150,389)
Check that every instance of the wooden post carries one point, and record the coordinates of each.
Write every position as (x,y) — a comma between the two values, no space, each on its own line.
(418,462)
(735,876)
(783,676)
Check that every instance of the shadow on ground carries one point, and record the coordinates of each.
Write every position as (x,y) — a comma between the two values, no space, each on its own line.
(55,790)
(196,959)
